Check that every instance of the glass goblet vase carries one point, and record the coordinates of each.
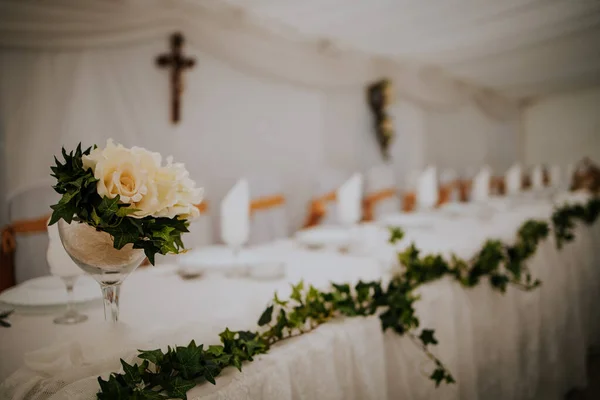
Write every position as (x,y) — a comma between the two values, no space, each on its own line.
(94,253)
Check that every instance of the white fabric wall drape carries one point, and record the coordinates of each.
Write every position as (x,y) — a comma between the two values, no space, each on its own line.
(84,71)
(563,129)
(230,34)
(467,139)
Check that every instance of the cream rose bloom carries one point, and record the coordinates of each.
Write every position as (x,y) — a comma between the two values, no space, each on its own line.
(136,175)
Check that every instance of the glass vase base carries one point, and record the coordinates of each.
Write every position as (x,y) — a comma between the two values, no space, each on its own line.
(70,318)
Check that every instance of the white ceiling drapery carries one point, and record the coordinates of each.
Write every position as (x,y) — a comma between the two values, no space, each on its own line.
(243,40)
(523,48)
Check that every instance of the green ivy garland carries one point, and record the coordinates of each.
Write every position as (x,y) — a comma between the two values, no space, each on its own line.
(171,374)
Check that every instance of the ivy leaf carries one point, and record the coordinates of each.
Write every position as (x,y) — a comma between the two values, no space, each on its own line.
(112,389)
(266,316)
(187,360)
(154,356)
(179,387)
(227,335)
(149,394)
(396,234)
(279,302)
(427,337)
(297,292)
(438,375)
(215,350)
(131,373)
(109,206)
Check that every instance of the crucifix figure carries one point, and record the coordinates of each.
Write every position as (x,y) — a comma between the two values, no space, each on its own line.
(177,62)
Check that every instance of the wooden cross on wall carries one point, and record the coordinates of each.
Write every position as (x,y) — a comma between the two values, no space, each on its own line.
(178,63)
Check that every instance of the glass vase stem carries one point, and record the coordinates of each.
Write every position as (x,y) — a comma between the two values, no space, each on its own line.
(110,293)
(69,283)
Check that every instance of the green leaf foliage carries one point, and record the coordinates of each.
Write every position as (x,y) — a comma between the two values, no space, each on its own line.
(173,373)
(81,202)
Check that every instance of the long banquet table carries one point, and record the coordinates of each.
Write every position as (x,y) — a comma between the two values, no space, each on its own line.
(517,345)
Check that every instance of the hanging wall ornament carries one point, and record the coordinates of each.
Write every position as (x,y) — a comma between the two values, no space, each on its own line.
(380,96)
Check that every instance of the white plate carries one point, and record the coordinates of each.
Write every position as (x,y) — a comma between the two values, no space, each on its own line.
(410,220)
(324,236)
(50,291)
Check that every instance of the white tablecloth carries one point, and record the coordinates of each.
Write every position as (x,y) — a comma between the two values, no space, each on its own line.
(513,346)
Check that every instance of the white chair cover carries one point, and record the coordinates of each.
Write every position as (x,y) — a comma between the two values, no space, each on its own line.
(270,224)
(379,178)
(31,202)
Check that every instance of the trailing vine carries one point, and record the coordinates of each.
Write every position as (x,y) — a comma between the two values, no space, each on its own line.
(171,374)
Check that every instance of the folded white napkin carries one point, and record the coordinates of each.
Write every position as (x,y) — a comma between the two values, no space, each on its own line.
(235,215)
(427,188)
(537,177)
(555,176)
(349,195)
(59,261)
(513,179)
(481,185)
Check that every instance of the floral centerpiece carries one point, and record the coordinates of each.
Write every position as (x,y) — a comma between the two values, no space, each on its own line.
(379,96)
(118,206)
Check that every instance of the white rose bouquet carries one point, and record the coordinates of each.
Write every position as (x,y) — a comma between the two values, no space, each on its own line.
(129,194)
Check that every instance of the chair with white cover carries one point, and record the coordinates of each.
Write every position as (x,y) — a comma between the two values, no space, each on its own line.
(537,177)
(322,209)
(480,189)
(409,190)
(555,176)
(449,191)
(28,213)
(381,193)
(513,179)
(268,215)
(427,189)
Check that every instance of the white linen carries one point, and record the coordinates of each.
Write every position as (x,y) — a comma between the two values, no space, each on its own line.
(513,346)
(235,215)
(480,191)
(427,188)
(513,178)
(349,200)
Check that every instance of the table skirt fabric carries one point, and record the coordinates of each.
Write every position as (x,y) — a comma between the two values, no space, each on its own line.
(517,345)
